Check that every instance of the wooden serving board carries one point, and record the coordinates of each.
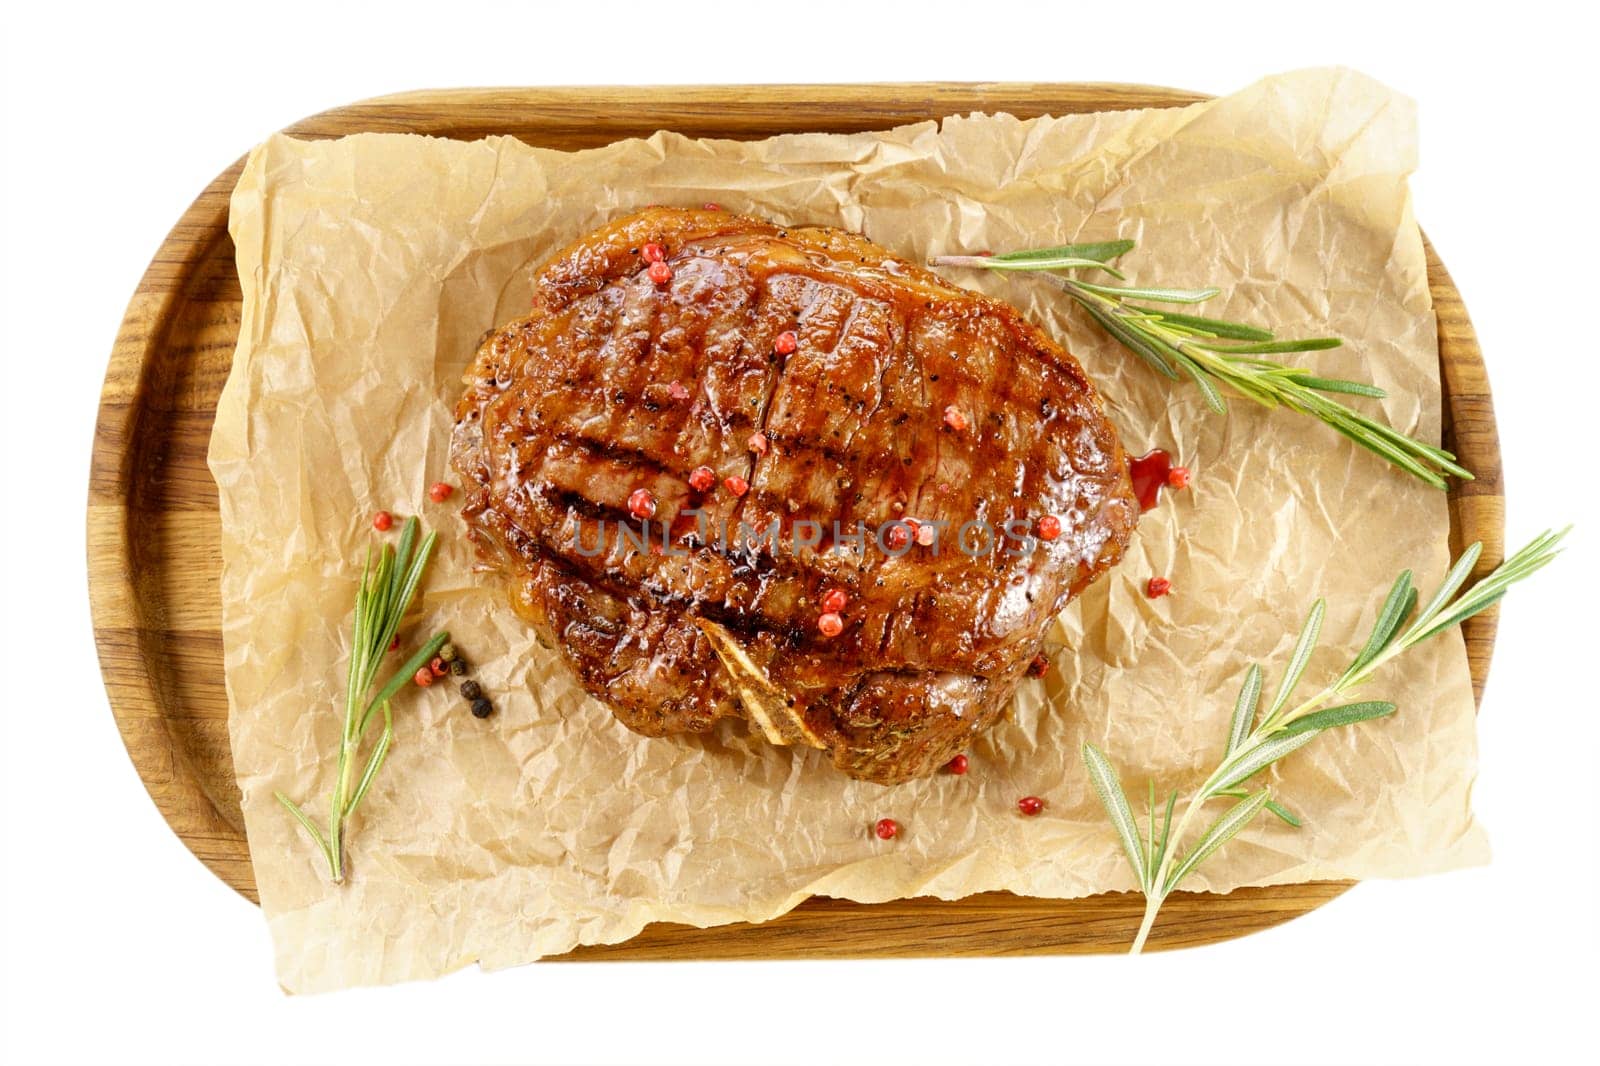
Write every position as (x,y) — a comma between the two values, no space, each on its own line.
(153,529)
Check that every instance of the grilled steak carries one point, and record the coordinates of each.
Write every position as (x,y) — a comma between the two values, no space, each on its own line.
(828,389)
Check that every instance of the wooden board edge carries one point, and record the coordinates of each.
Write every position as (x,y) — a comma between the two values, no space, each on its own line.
(991,924)
(1478,504)
(118,625)
(690,109)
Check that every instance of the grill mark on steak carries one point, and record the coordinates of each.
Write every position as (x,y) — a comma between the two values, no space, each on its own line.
(810,293)
(604,451)
(744,565)
(740,622)
(568,410)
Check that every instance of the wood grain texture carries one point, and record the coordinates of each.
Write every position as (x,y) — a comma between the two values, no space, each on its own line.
(153,528)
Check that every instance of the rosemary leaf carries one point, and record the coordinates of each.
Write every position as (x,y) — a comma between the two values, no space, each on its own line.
(402,676)
(1351,388)
(1220,832)
(1304,646)
(1166,296)
(1396,608)
(1309,344)
(310,826)
(1217,327)
(1451,584)
(1244,710)
(1099,252)
(1140,346)
(1329,717)
(1253,758)
(1166,832)
(1278,810)
(1031,262)
(1150,838)
(380,751)
(1283,814)
(1209,391)
(1107,786)
(1398,457)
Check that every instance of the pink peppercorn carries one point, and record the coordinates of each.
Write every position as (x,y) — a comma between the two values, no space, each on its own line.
(641,503)
(701,478)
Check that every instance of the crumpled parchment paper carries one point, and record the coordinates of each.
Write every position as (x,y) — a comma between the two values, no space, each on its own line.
(371,265)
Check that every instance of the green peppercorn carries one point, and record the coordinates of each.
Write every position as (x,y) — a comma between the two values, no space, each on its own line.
(448,653)
(471,690)
(482,708)
(458,667)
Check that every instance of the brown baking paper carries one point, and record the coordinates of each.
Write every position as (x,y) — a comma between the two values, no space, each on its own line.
(370,266)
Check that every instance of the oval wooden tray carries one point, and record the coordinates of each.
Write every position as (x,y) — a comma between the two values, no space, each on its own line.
(153,524)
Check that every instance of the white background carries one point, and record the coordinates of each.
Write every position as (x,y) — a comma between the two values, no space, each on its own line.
(119,946)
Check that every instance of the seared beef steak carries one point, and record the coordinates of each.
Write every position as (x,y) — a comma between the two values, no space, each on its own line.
(880,393)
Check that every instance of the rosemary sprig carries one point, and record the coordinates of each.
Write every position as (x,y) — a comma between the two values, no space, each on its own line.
(1188,345)
(1256,740)
(382,599)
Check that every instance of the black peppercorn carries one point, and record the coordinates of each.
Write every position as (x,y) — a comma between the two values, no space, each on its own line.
(482,708)
(471,690)
(458,667)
